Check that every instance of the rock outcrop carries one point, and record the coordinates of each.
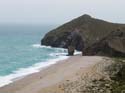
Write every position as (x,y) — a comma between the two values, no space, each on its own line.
(100,37)
(106,77)
(74,40)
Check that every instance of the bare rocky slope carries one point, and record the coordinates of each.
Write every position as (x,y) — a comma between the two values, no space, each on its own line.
(100,37)
(107,76)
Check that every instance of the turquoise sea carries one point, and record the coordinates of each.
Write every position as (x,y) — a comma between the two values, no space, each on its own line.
(21,53)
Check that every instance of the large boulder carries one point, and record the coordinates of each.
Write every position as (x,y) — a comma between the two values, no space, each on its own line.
(100,37)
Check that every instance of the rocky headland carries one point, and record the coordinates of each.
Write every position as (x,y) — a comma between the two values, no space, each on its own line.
(99,37)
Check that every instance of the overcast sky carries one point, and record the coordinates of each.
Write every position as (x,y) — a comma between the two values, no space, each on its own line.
(59,11)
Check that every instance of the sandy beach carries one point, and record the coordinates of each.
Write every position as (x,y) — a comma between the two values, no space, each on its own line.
(55,79)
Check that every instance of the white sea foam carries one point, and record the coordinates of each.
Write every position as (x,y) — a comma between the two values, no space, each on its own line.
(60,49)
(77,52)
(5,80)
(40,46)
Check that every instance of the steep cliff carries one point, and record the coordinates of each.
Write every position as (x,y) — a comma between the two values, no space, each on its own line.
(100,37)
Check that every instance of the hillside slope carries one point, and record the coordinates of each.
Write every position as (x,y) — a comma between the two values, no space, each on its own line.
(100,37)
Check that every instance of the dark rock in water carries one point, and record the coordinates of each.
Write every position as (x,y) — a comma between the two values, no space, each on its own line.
(99,37)
(71,50)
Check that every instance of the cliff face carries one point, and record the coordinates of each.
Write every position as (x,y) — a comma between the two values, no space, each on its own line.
(100,37)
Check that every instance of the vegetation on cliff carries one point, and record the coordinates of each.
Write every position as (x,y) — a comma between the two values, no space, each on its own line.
(119,79)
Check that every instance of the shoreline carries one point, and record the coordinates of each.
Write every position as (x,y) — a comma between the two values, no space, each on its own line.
(24,72)
(35,68)
(52,75)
